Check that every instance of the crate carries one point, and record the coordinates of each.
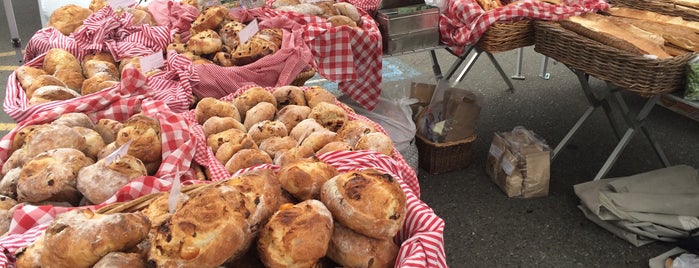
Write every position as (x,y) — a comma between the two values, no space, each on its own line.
(437,158)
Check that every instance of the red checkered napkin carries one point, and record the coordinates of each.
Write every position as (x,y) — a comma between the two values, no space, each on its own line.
(278,69)
(174,84)
(47,38)
(464,21)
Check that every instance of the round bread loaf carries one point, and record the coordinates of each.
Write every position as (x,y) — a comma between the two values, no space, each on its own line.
(26,75)
(209,107)
(144,132)
(262,191)
(229,33)
(235,135)
(67,18)
(334,146)
(289,95)
(108,129)
(368,201)
(267,129)
(304,128)
(30,256)
(16,160)
(210,18)
(246,158)
(45,138)
(217,124)
(348,10)
(158,211)
(352,130)
(58,58)
(204,42)
(93,140)
(252,97)
(8,184)
(260,112)
(228,149)
(93,67)
(72,79)
(74,120)
(100,181)
(272,145)
(252,50)
(342,20)
(329,115)
(51,176)
(298,152)
(303,178)
(316,94)
(292,114)
(21,136)
(223,58)
(121,260)
(318,139)
(7,209)
(52,93)
(101,56)
(96,83)
(375,141)
(71,236)
(296,235)
(351,249)
(42,81)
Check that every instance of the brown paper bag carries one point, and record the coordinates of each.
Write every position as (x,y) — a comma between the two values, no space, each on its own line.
(463,107)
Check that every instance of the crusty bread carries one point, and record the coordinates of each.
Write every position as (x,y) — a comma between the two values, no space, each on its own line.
(99,181)
(292,114)
(351,249)
(205,42)
(229,33)
(216,124)
(342,20)
(296,235)
(121,260)
(334,146)
(42,81)
(51,176)
(652,16)
(272,145)
(58,58)
(352,199)
(101,56)
(262,191)
(246,158)
(210,18)
(7,209)
(260,112)
(209,107)
(303,178)
(8,184)
(266,129)
(353,130)
(144,132)
(329,115)
(298,152)
(489,4)
(235,135)
(289,95)
(349,10)
(108,129)
(235,144)
(319,139)
(375,141)
(252,97)
(67,18)
(52,93)
(72,79)
(26,75)
(44,138)
(92,67)
(93,141)
(74,120)
(305,128)
(316,94)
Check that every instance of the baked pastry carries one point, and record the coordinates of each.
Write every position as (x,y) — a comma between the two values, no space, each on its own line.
(144,132)
(376,141)
(21,136)
(349,10)
(246,158)
(329,115)
(58,58)
(93,67)
(289,95)
(252,50)
(352,130)
(208,230)
(96,5)
(108,129)
(351,249)
(101,56)
(51,175)
(316,94)
(305,128)
(290,115)
(296,235)
(303,178)
(43,139)
(42,81)
(318,139)
(52,93)
(352,198)
(121,260)
(258,113)
(216,140)
(67,18)
(8,184)
(272,145)
(342,20)
(106,150)
(70,238)
(177,47)
(224,59)
(140,16)
(209,19)
(97,83)
(93,141)
(328,9)
(16,160)
(252,97)
(72,79)
(229,33)
(273,35)
(26,75)
(158,211)
(303,8)
(74,120)
(208,107)
(237,143)
(30,256)
(217,124)
(266,129)
(262,192)
(489,4)
(334,146)
(100,181)
(287,156)
(7,208)
(204,42)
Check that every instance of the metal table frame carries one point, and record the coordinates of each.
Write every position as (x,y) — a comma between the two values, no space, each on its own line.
(14,32)
(610,100)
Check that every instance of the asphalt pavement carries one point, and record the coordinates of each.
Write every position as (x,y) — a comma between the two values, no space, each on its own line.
(485,228)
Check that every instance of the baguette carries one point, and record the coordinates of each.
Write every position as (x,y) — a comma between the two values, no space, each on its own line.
(652,17)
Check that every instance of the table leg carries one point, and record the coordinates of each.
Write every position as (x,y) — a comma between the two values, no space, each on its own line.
(467,68)
(518,67)
(544,68)
(499,68)
(436,69)
(14,33)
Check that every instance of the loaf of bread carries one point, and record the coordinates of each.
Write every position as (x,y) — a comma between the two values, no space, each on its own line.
(318,139)
(246,158)
(121,260)
(296,235)
(305,128)
(51,176)
(272,145)
(204,42)
(376,141)
(263,111)
(329,115)
(298,152)
(210,18)
(208,107)
(67,18)
(334,146)
(72,79)
(97,83)
(349,10)
(252,50)
(262,192)
(303,178)
(144,133)
(108,129)
(44,138)
(351,249)
(292,114)
(353,130)
(100,181)
(352,199)
(52,93)
(252,97)
(217,124)
(58,58)
(93,141)
(289,95)
(489,4)
(8,184)
(316,94)
(229,33)
(92,67)
(342,20)
(7,209)
(216,140)
(27,74)
(267,129)
(42,81)
(235,144)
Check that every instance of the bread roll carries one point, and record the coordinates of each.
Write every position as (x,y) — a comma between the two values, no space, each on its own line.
(204,42)
(351,249)
(329,115)
(177,47)
(16,160)
(67,18)
(216,140)
(209,107)
(100,181)
(101,56)
(287,156)
(26,75)
(318,139)
(121,260)
(296,236)
(272,145)
(96,5)
(108,129)
(52,93)
(303,178)
(237,143)
(209,229)
(144,132)
(258,113)
(229,33)
(246,158)
(58,58)
(262,191)
(305,128)
(328,9)
(8,184)
(489,4)
(217,124)
(272,35)
(72,79)
(20,137)
(353,130)
(44,139)
(97,83)
(303,8)
(140,16)
(93,140)
(51,176)
(158,211)
(375,141)
(292,114)
(349,10)
(42,81)
(252,97)
(106,150)
(352,199)
(252,50)
(93,67)
(30,256)
(266,129)
(316,94)
(7,209)
(209,19)
(224,59)
(289,95)
(71,236)
(74,120)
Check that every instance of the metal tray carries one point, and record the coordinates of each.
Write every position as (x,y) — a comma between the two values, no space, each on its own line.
(411,41)
(394,21)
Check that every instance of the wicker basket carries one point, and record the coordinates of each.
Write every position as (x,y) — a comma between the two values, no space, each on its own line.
(665,7)
(438,158)
(633,72)
(504,36)
(303,77)
(144,201)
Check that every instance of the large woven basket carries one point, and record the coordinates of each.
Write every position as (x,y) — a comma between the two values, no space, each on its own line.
(504,36)
(665,7)
(633,72)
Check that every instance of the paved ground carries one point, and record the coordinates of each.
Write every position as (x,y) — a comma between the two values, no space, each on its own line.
(483,226)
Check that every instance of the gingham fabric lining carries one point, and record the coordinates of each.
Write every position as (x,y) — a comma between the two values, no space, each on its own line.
(464,21)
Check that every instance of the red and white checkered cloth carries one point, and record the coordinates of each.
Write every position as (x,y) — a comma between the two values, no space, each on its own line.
(349,56)
(278,69)
(175,83)
(421,239)
(464,21)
